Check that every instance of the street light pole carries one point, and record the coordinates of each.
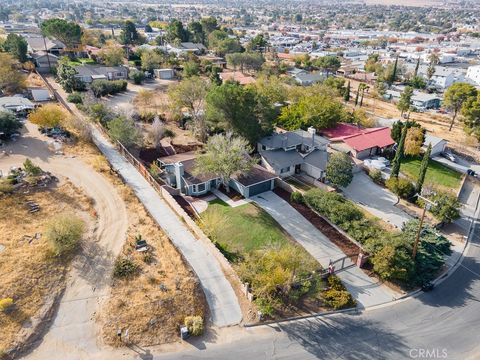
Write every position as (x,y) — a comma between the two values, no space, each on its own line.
(417,239)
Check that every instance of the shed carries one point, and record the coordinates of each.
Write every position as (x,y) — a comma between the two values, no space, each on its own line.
(164,74)
(40,95)
(438,144)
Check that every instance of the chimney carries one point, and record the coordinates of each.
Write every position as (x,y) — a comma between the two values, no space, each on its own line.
(178,174)
(311,130)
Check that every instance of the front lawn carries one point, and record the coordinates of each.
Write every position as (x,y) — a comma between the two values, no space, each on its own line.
(245,228)
(437,173)
(282,274)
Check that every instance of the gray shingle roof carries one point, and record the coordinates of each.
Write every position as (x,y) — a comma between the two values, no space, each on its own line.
(281,159)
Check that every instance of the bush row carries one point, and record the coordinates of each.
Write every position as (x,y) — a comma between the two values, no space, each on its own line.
(105,87)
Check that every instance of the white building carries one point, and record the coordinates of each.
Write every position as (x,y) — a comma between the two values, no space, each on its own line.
(473,74)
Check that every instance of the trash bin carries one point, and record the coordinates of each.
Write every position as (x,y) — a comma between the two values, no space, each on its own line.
(184,334)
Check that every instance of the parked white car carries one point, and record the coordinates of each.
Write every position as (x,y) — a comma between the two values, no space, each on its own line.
(379,163)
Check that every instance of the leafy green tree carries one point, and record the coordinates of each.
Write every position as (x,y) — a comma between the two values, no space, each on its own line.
(225,156)
(111,55)
(137,76)
(191,68)
(17,46)
(346,95)
(12,81)
(446,208)
(339,169)
(9,123)
(197,35)
(397,160)
(209,24)
(337,84)
(417,82)
(190,94)
(220,42)
(423,170)
(329,64)
(68,32)
(455,96)
(232,107)
(318,110)
(125,131)
(414,140)
(405,102)
(151,60)
(272,88)
(258,43)
(175,30)
(471,115)
(393,262)
(49,115)
(397,127)
(130,35)
(66,76)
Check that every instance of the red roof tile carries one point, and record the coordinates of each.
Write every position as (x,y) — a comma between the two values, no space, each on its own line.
(370,138)
(340,131)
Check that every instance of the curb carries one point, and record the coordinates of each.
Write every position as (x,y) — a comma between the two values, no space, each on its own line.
(303,317)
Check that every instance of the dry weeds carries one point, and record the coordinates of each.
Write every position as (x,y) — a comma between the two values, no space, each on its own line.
(29,272)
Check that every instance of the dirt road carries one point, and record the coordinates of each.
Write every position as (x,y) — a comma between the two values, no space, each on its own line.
(74,329)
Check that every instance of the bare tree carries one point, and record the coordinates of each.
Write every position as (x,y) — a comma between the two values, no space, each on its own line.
(156,132)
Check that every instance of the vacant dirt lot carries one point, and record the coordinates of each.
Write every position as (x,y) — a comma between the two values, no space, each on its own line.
(30,273)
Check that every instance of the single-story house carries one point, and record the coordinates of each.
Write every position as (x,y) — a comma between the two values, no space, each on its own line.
(359,142)
(438,144)
(44,62)
(38,43)
(88,73)
(306,79)
(178,172)
(420,100)
(16,104)
(293,152)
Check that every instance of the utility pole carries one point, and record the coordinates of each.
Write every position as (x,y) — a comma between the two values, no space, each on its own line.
(428,203)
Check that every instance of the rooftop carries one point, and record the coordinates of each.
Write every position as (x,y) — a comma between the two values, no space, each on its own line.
(379,137)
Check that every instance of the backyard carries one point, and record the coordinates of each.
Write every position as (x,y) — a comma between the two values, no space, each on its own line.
(437,175)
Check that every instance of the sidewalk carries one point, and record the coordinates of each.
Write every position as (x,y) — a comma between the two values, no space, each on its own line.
(366,290)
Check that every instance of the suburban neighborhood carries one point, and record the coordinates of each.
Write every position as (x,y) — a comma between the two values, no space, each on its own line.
(223,180)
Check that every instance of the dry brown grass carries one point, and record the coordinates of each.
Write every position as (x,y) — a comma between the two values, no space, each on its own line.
(139,304)
(29,272)
(151,314)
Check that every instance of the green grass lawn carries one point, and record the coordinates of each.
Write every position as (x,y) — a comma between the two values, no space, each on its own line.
(244,228)
(437,173)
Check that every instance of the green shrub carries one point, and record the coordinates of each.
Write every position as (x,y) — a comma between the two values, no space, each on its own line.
(297,197)
(338,299)
(124,268)
(376,176)
(5,304)
(75,98)
(31,169)
(64,233)
(169,133)
(401,187)
(194,325)
(105,87)
(137,77)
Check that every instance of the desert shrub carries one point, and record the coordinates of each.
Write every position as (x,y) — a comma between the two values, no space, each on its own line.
(297,197)
(376,176)
(6,304)
(401,187)
(338,299)
(31,169)
(169,133)
(64,233)
(194,325)
(81,129)
(6,187)
(125,131)
(124,268)
(75,98)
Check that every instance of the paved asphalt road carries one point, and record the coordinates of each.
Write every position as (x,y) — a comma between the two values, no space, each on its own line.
(445,320)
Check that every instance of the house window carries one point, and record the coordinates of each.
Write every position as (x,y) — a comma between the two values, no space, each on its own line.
(285,170)
(201,187)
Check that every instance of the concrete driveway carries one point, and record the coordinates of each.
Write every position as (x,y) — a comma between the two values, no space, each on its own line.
(366,290)
(375,199)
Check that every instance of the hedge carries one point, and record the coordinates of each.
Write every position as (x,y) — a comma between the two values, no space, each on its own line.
(105,87)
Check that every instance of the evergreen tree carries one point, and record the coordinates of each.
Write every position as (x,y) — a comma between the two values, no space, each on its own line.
(417,67)
(395,68)
(346,96)
(423,169)
(358,93)
(399,154)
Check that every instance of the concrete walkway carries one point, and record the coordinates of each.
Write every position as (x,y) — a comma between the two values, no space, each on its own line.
(366,290)
(375,199)
(221,298)
(229,201)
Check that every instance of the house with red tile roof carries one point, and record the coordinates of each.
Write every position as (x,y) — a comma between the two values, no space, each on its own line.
(359,142)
